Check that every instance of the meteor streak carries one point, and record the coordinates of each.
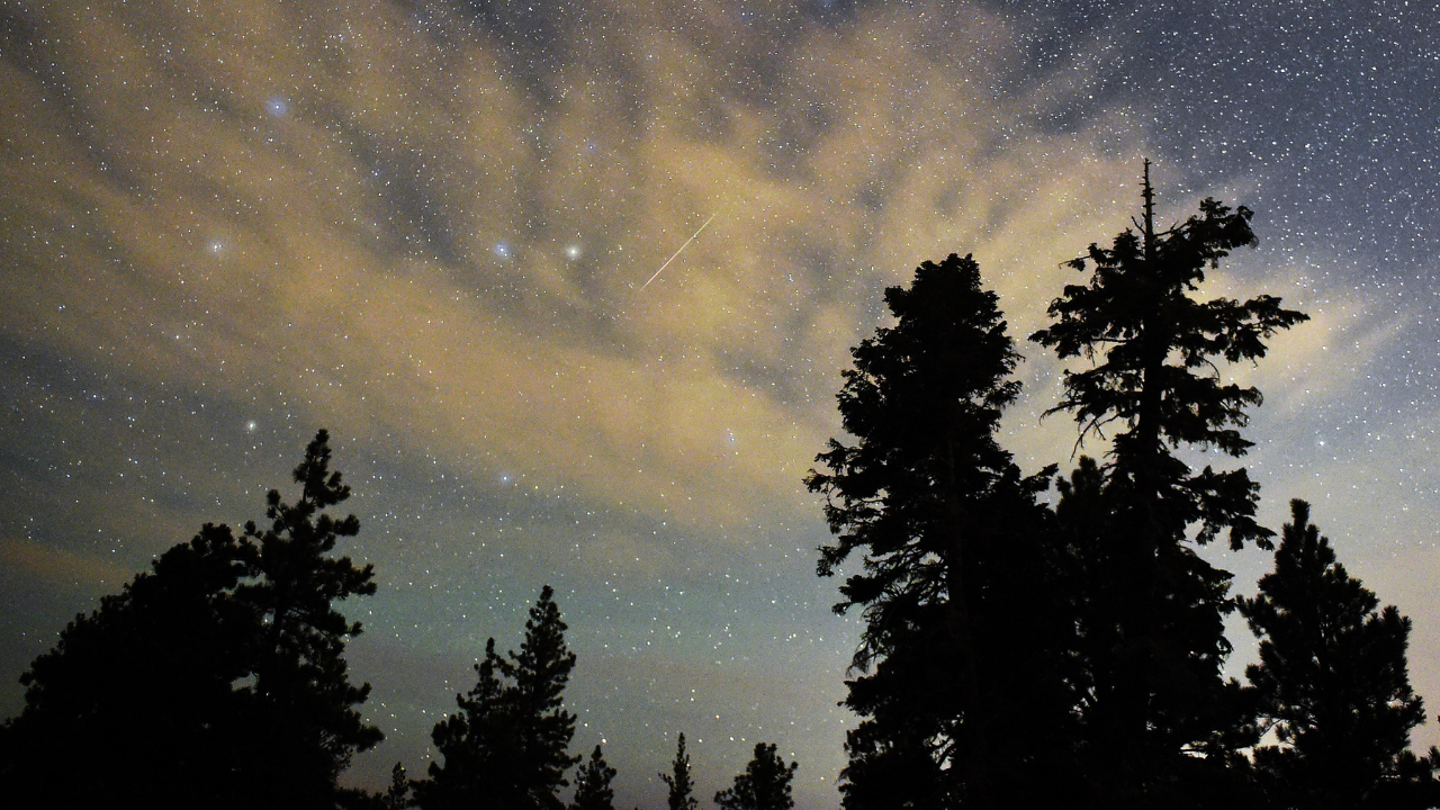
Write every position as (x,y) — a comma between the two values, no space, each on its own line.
(677,252)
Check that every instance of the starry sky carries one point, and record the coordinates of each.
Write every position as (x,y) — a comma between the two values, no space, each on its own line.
(433,227)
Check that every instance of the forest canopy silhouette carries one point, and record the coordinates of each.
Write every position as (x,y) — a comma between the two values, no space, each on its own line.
(1029,639)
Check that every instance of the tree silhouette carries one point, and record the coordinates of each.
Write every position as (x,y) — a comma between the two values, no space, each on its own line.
(592,784)
(168,696)
(507,746)
(141,686)
(681,786)
(961,652)
(1332,683)
(398,795)
(307,724)
(1161,720)
(478,747)
(765,784)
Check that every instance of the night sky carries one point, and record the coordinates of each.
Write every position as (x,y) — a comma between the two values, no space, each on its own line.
(428,226)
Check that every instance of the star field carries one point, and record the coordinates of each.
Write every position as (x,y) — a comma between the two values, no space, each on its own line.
(428,225)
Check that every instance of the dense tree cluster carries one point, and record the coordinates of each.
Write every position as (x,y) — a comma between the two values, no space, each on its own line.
(218,680)
(1021,648)
(1022,651)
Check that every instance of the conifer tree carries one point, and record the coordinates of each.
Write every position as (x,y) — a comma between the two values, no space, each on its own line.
(681,786)
(765,784)
(1333,684)
(592,784)
(477,745)
(540,672)
(961,656)
(306,716)
(398,795)
(507,746)
(1160,719)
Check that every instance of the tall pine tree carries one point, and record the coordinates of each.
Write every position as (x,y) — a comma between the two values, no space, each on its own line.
(507,747)
(1162,725)
(305,704)
(962,678)
(1333,684)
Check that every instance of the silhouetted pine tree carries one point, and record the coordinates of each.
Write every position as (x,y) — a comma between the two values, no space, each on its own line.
(148,702)
(681,786)
(507,746)
(592,784)
(1161,722)
(306,721)
(399,795)
(478,745)
(1333,684)
(964,697)
(765,784)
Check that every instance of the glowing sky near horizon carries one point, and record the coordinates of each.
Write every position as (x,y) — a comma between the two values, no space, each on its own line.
(428,225)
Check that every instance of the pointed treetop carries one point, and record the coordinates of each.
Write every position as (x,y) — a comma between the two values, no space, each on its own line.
(681,786)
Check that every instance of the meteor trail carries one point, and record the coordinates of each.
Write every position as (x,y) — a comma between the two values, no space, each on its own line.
(677,252)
